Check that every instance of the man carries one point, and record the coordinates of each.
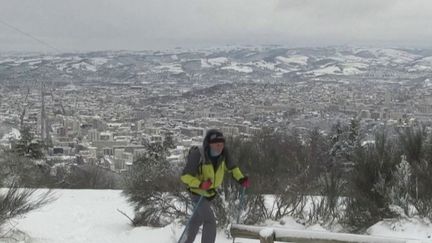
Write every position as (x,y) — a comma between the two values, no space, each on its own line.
(203,174)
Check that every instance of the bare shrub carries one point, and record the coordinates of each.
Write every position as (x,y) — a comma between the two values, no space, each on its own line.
(16,202)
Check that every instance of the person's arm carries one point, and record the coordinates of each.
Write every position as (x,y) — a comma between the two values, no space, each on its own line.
(191,170)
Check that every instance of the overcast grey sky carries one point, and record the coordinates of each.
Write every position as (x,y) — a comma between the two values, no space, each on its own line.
(86,25)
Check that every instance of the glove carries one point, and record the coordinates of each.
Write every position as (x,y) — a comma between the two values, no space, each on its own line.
(205,185)
(244,182)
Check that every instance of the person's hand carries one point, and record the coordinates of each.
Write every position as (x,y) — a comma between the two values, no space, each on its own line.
(205,185)
(244,182)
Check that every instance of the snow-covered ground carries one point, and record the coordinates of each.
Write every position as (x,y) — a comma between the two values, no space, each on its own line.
(91,216)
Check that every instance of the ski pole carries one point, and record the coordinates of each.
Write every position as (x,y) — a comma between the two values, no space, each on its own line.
(241,203)
(240,207)
(189,220)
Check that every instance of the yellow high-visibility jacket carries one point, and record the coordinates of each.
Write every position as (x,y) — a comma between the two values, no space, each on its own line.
(199,168)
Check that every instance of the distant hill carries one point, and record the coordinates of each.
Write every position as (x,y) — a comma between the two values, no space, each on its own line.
(254,62)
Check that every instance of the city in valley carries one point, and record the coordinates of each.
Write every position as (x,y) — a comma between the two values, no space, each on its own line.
(102,107)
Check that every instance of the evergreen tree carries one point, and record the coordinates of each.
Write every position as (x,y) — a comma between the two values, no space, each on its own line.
(418,150)
(400,192)
(369,187)
(152,186)
(27,146)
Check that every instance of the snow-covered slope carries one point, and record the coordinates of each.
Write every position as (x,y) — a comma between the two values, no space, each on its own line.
(91,216)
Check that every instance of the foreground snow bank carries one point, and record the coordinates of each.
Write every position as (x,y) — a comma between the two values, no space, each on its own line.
(91,216)
(404,228)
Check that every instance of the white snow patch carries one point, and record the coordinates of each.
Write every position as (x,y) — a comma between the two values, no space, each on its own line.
(172,68)
(419,68)
(358,65)
(267,232)
(98,61)
(84,66)
(27,60)
(32,63)
(295,59)
(423,64)
(414,228)
(6,60)
(351,71)
(218,61)
(205,64)
(368,142)
(395,56)
(13,134)
(239,68)
(349,59)
(317,227)
(326,70)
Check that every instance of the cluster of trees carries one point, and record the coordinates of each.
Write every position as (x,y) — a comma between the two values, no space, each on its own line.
(331,178)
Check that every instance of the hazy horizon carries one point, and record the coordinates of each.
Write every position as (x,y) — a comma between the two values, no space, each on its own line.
(83,26)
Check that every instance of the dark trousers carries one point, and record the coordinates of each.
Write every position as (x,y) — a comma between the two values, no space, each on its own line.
(203,216)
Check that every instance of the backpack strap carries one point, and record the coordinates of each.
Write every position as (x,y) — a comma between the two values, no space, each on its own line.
(202,158)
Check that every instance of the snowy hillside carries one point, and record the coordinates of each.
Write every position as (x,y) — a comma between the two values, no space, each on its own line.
(91,216)
(247,62)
